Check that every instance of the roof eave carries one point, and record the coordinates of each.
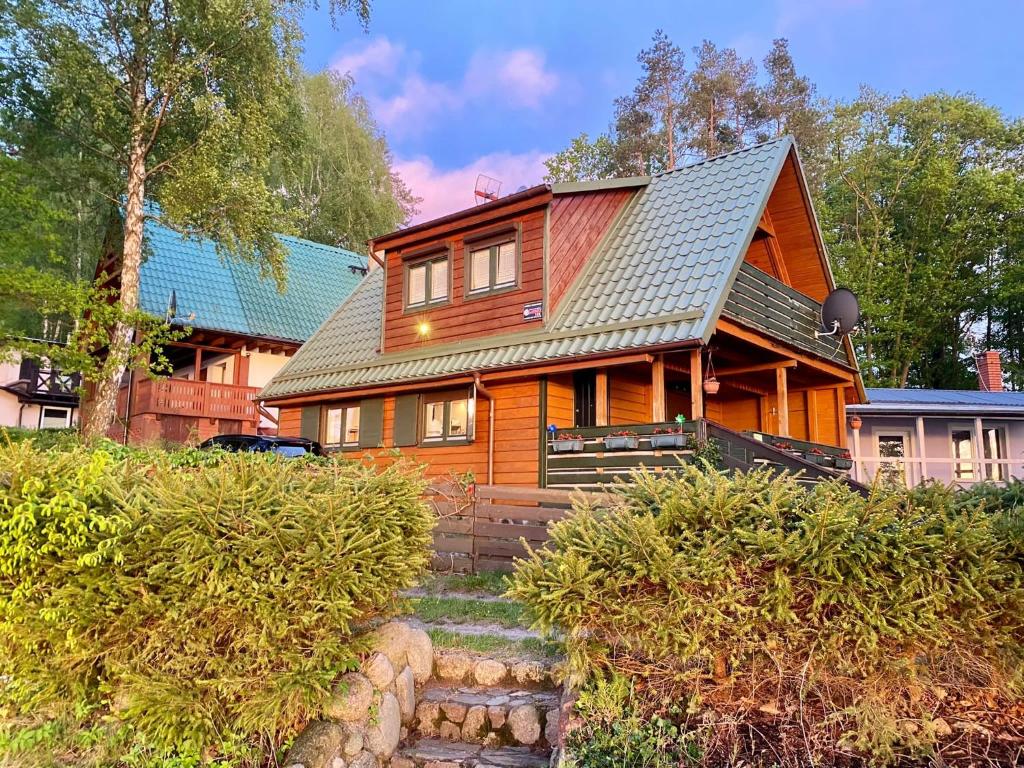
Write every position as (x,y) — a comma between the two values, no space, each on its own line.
(572,187)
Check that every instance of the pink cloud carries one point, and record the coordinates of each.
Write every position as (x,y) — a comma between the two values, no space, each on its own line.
(520,76)
(446,191)
(412,108)
(378,57)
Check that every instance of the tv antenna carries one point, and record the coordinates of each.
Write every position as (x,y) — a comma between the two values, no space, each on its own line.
(840,313)
(487,190)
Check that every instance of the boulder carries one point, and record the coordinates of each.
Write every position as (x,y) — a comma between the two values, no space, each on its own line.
(497,716)
(427,715)
(453,665)
(489,672)
(454,711)
(351,700)
(383,735)
(379,672)
(474,725)
(524,724)
(317,745)
(420,655)
(392,639)
(353,743)
(405,692)
(529,673)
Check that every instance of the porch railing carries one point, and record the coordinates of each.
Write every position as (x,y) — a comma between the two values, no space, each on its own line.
(184,397)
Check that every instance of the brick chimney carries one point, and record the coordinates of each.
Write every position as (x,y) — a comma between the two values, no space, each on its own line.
(990,371)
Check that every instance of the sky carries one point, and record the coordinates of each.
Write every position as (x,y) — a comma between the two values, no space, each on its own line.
(495,86)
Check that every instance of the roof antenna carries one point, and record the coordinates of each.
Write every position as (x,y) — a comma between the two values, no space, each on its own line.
(487,189)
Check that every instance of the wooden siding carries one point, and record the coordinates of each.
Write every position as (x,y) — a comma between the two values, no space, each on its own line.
(561,405)
(630,396)
(798,426)
(463,318)
(741,414)
(761,302)
(758,256)
(577,224)
(289,422)
(794,229)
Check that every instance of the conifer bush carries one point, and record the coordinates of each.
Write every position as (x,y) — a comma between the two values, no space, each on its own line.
(202,604)
(749,590)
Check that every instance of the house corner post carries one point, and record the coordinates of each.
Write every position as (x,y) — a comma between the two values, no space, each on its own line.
(696,385)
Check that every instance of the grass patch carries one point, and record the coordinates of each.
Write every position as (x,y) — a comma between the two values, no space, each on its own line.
(495,644)
(493,583)
(460,611)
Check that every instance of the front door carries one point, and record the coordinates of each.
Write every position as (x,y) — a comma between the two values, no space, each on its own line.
(585,398)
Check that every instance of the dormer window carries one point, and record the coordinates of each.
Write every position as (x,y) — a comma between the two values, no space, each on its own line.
(426,281)
(492,264)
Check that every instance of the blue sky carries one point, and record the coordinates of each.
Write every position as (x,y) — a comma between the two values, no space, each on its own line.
(494,87)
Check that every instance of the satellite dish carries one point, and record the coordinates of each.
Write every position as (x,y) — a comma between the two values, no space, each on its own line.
(840,313)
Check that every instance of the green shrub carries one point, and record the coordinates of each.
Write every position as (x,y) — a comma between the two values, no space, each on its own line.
(203,604)
(763,586)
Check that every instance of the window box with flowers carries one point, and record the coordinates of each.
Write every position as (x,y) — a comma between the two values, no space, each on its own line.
(843,461)
(668,437)
(623,440)
(821,458)
(566,443)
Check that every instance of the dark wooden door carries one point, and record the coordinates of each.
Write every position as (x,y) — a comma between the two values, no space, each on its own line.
(585,398)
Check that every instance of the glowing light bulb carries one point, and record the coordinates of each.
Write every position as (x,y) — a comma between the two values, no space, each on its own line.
(423,328)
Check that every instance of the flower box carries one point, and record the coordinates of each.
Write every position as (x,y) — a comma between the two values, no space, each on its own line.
(574,445)
(822,459)
(842,463)
(621,442)
(669,440)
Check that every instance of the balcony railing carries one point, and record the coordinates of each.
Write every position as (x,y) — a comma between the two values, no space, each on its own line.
(184,397)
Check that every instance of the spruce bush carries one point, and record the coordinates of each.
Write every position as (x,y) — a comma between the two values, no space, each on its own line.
(202,604)
(749,587)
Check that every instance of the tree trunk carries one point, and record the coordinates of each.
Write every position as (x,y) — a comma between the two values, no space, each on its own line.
(101,413)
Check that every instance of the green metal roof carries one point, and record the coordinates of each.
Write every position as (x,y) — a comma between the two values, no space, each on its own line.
(661,277)
(228,295)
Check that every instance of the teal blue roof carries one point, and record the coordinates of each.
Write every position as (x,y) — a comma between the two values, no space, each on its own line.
(225,294)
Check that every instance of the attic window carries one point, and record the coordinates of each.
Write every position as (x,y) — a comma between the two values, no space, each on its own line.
(426,282)
(493,264)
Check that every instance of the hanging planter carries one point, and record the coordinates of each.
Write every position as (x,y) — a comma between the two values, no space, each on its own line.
(856,422)
(711,383)
(622,441)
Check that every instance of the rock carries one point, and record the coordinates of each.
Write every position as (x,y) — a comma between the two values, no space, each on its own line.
(337,763)
(392,640)
(427,714)
(551,722)
(402,762)
(317,745)
(353,743)
(453,665)
(364,760)
(492,740)
(351,700)
(420,655)
(382,736)
(379,672)
(405,692)
(473,725)
(497,716)
(524,724)
(450,732)
(441,764)
(489,672)
(454,711)
(529,673)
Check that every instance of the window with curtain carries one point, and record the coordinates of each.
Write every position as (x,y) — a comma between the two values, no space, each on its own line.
(341,427)
(493,265)
(426,282)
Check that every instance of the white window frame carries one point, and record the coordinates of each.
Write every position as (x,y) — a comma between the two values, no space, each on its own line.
(42,414)
(906,463)
(1003,463)
(963,426)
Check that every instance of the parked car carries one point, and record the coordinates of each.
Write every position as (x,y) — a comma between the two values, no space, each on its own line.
(285,446)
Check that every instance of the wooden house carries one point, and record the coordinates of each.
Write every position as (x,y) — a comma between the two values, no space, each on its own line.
(242,331)
(628,305)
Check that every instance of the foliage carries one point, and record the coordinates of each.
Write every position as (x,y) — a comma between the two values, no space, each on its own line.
(917,209)
(841,605)
(341,183)
(583,160)
(203,605)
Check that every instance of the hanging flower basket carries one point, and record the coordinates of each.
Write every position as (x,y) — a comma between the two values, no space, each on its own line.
(622,441)
(668,438)
(566,443)
(711,386)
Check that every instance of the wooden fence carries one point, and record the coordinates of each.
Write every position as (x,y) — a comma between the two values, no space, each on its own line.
(481,528)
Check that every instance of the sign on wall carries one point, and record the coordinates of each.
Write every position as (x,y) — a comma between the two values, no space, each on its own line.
(533,311)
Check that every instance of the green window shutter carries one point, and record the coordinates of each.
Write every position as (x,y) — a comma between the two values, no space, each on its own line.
(371,423)
(406,413)
(310,422)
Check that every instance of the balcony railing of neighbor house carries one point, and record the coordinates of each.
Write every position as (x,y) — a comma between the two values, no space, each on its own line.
(49,382)
(184,397)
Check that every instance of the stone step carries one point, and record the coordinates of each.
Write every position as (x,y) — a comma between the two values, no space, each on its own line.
(489,716)
(455,666)
(461,755)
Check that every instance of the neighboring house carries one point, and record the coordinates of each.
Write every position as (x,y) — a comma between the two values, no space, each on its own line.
(595,307)
(35,396)
(953,436)
(243,332)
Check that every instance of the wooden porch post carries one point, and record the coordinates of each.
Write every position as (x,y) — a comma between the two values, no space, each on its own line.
(813,433)
(658,389)
(601,398)
(242,369)
(782,393)
(921,449)
(198,363)
(841,411)
(696,385)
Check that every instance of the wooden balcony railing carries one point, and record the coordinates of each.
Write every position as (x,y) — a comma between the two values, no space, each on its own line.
(184,397)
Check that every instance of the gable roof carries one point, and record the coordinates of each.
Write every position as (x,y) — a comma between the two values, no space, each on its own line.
(228,295)
(661,277)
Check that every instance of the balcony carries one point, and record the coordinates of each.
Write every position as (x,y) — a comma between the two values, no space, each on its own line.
(193,399)
(48,385)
